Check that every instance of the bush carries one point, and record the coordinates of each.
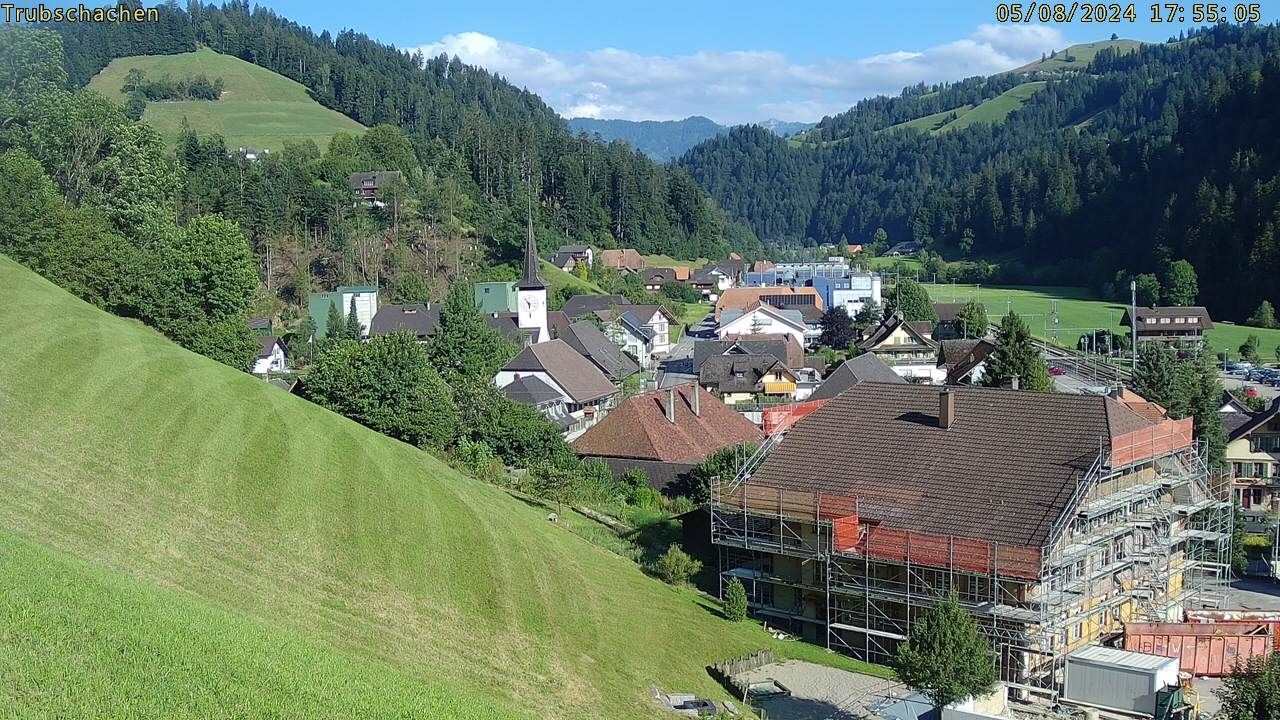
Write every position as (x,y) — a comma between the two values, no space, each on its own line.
(676,566)
(735,601)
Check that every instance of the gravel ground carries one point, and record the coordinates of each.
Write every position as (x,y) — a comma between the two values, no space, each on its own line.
(819,692)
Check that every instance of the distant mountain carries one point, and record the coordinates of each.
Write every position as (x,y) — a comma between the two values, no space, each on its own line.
(665,140)
(785,128)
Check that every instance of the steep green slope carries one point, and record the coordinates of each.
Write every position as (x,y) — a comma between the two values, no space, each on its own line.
(996,109)
(1077,57)
(229,535)
(258,108)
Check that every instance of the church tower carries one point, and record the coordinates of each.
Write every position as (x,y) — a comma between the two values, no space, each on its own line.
(531,293)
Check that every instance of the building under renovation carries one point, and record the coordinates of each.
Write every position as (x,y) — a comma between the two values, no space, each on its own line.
(1054,518)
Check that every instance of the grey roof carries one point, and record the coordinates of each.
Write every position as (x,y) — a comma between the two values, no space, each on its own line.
(530,390)
(582,380)
(508,325)
(794,315)
(267,343)
(960,357)
(775,346)
(890,324)
(738,373)
(866,367)
(375,179)
(1196,311)
(576,249)
(580,306)
(259,323)
(1255,421)
(594,345)
(530,279)
(417,318)
(636,326)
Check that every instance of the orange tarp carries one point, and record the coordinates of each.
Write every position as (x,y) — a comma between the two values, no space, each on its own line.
(781,418)
(1161,438)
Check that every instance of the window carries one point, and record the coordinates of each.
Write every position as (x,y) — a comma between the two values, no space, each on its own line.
(1180,321)
(1164,321)
(1193,320)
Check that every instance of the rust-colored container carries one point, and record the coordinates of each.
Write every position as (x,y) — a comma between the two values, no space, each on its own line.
(1211,650)
(1240,617)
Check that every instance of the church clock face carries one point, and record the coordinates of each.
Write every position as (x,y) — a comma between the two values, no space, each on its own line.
(531,303)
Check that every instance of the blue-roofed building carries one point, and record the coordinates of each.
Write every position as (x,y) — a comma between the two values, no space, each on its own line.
(834,281)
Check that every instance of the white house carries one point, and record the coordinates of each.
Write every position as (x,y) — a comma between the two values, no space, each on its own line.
(762,319)
(644,331)
(271,358)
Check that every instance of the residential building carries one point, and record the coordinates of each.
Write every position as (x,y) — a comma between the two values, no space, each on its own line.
(749,379)
(593,344)
(532,391)
(666,433)
(581,306)
(867,367)
(1253,453)
(784,347)
(908,247)
(907,347)
(782,298)
(418,318)
(580,253)
(1053,518)
(366,302)
(643,329)
(1170,324)
(261,326)
(531,293)
(945,327)
(587,391)
(368,187)
(655,277)
(763,319)
(625,260)
(835,282)
(496,297)
(964,362)
(271,356)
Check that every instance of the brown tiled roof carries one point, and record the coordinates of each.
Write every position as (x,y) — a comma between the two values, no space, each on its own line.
(1195,311)
(638,428)
(722,372)
(582,380)
(624,259)
(1003,472)
(791,351)
(743,298)
(960,357)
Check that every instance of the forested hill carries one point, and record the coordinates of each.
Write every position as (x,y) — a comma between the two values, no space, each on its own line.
(505,136)
(1139,158)
(665,140)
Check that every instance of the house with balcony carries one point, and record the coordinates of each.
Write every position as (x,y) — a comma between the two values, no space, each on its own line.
(1053,518)
(1253,454)
(907,347)
(1170,325)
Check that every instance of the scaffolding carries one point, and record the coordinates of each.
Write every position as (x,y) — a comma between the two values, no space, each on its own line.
(1145,534)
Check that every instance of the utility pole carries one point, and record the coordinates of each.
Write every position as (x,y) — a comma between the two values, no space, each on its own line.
(1133,325)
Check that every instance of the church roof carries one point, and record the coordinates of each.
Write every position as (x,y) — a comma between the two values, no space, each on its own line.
(531,280)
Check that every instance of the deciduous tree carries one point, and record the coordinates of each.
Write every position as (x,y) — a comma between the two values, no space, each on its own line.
(1016,356)
(945,657)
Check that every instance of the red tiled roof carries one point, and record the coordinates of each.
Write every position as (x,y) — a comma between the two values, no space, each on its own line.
(638,428)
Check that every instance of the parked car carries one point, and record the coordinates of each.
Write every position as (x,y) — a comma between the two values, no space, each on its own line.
(1057,371)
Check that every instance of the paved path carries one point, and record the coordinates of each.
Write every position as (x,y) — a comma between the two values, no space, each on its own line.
(819,692)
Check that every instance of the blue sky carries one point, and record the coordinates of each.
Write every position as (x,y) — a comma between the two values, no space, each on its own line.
(731,61)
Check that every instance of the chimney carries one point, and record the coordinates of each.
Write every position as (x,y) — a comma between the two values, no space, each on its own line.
(946,408)
(1013,382)
(671,405)
(694,402)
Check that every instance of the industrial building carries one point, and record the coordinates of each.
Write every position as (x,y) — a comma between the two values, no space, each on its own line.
(1054,518)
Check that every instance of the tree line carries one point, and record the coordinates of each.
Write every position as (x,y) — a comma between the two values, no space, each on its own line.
(1163,154)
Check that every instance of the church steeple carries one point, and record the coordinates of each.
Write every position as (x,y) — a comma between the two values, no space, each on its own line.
(531,280)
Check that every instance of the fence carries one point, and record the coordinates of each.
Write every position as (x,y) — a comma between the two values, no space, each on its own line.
(1159,439)
(781,418)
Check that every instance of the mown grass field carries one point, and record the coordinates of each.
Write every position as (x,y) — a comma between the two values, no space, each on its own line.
(993,111)
(179,539)
(1078,312)
(557,278)
(258,108)
(1082,55)
(654,261)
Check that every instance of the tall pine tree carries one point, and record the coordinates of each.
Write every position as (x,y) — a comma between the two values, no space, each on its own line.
(1016,356)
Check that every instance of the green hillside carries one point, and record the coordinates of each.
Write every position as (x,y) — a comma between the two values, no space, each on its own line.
(993,110)
(1080,56)
(178,539)
(258,108)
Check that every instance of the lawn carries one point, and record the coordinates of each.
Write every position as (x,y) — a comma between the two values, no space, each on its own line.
(179,539)
(692,313)
(1079,311)
(1082,55)
(557,278)
(996,109)
(668,261)
(258,108)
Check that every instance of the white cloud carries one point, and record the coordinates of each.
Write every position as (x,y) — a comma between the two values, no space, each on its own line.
(738,86)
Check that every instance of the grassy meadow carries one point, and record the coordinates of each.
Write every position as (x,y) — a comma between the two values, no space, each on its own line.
(180,539)
(258,108)
(1079,311)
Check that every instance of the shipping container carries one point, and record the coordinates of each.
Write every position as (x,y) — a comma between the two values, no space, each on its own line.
(1112,679)
(1254,617)
(1202,649)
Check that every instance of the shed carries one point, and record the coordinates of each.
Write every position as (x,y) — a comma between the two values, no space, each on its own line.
(1114,679)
